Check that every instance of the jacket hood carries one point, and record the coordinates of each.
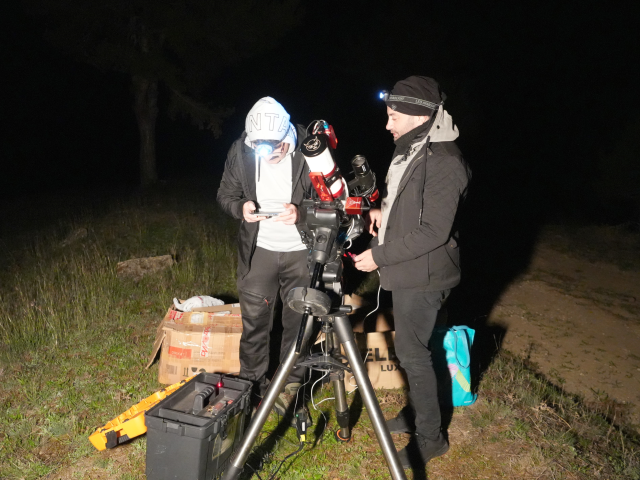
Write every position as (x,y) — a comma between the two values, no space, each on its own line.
(291,138)
(443,129)
(267,120)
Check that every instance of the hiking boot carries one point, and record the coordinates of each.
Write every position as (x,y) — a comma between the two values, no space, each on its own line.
(284,404)
(420,450)
(403,422)
(286,398)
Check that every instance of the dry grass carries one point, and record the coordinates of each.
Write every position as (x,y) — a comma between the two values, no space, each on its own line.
(49,289)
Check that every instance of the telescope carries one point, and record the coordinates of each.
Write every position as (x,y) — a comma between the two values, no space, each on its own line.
(328,222)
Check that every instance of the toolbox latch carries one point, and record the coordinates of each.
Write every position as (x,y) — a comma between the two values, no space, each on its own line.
(174,428)
(223,428)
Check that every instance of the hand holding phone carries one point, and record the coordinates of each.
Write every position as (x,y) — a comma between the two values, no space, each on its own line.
(248,212)
(289,216)
(259,213)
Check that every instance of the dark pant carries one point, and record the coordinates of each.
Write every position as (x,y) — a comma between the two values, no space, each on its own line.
(415,316)
(270,273)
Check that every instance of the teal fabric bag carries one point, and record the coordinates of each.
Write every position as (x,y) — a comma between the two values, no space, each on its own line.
(452,347)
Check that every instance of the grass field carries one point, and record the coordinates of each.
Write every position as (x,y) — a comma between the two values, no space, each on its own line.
(75,338)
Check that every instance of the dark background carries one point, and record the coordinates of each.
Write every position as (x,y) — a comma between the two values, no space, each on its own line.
(538,92)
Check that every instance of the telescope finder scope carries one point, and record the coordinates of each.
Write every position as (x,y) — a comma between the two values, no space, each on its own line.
(364,183)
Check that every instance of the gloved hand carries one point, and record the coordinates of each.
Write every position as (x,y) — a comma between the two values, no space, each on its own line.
(197,302)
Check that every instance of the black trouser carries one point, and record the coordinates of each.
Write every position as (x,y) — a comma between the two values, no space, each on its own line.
(414,316)
(270,272)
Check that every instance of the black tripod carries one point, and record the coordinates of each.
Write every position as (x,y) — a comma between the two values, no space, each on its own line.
(337,329)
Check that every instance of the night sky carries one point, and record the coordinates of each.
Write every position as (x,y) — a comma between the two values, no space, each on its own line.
(538,91)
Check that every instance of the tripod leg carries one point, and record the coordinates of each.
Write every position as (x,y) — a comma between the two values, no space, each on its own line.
(345,335)
(342,409)
(236,465)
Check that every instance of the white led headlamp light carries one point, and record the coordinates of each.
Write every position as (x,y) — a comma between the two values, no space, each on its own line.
(385,96)
(264,148)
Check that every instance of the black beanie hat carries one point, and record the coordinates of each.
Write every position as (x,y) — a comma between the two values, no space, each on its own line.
(416,96)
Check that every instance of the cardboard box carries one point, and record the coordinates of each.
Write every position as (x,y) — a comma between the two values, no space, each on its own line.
(378,352)
(206,340)
(374,336)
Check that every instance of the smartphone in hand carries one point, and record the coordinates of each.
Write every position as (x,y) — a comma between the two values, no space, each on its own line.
(258,213)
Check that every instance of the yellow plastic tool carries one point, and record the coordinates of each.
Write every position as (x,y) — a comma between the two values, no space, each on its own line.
(130,424)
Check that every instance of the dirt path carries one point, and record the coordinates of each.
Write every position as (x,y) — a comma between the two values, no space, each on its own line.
(580,323)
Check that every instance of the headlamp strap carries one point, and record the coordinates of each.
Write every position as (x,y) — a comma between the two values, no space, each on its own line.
(416,101)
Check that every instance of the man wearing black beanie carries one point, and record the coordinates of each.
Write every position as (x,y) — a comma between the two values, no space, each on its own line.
(417,247)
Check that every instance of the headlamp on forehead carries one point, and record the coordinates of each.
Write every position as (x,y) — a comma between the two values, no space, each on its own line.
(386,97)
(265,148)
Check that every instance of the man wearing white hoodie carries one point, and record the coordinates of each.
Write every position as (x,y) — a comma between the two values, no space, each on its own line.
(264,172)
(417,247)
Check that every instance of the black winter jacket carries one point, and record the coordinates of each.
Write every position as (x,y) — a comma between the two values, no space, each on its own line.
(238,186)
(420,249)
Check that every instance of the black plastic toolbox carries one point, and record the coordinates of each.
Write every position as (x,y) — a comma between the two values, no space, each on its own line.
(192,433)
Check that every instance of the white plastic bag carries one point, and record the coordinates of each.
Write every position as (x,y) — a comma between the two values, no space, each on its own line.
(197,302)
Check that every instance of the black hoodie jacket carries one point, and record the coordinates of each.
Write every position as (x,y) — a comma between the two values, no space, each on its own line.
(420,249)
(238,186)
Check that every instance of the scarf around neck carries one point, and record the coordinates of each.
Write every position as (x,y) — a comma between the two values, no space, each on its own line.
(404,142)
